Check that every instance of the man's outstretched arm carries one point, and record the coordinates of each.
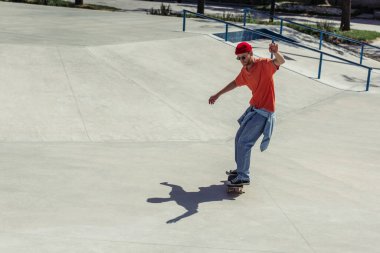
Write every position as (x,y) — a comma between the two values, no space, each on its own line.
(232,85)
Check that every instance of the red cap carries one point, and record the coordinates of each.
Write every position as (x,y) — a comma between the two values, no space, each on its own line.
(243,47)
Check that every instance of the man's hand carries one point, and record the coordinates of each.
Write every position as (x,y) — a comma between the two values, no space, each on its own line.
(273,48)
(212,99)
(230,86)
(279,58)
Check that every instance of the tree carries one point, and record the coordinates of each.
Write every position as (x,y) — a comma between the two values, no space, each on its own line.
(78,2)
(201,6)
(272,6)
(346,15)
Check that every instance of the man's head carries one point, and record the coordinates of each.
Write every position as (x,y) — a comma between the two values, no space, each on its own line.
(244,53)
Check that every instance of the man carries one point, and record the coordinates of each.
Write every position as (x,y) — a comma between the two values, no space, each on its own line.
(258,119)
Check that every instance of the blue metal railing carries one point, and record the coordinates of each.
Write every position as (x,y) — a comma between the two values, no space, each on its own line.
(274,38)
(322,32)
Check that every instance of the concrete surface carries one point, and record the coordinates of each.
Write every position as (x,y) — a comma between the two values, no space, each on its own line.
(100,110)
(215,8)
(143,5)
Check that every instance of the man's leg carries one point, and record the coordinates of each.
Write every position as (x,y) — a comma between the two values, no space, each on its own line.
(237,137)
(249,133)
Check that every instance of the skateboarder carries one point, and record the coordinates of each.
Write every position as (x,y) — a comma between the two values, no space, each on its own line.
(258,119)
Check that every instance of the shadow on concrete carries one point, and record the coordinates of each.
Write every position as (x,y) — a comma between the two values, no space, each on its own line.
(191,200)
(353,79)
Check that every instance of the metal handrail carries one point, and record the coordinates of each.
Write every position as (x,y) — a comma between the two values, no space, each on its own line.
(281,39)
(363,44)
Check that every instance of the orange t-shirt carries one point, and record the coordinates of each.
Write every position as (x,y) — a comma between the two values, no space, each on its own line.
(259,80)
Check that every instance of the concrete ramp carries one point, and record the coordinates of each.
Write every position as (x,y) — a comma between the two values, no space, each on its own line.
(146,91)
(110,145)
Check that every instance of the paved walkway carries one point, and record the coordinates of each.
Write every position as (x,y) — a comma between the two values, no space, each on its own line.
(108,143)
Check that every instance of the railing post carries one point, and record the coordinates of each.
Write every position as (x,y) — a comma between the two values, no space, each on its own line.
(320,65)
(245,17)
(320,40)
(184,21)
(282,21)
(361,54)
(226,35)
(368,78)
(271,55)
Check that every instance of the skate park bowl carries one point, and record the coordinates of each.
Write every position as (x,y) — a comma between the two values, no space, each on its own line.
(108,143)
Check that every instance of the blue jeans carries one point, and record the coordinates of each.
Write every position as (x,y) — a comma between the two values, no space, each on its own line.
(246,137)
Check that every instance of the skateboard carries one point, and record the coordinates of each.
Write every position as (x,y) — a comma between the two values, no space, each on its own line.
(233,188)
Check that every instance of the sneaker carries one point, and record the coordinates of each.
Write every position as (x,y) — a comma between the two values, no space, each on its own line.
(231,172)
(238,181)
(231,177)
